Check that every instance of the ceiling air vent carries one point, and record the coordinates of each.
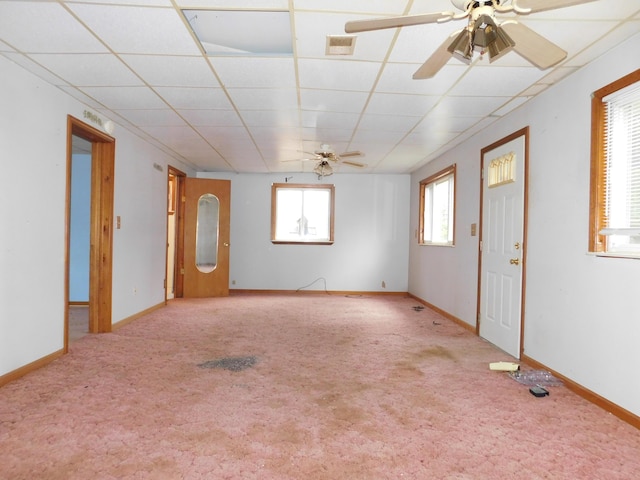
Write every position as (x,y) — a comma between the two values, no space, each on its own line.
(341,44)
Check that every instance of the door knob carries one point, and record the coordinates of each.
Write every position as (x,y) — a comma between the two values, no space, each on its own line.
(514,261)
(226,244)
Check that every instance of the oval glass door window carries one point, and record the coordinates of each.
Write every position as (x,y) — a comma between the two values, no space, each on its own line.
(207,233)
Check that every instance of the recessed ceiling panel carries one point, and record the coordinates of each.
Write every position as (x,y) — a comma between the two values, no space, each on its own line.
(132,29)
(241,32)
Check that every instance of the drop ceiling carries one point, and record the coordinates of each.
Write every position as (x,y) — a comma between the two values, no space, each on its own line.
(140,64)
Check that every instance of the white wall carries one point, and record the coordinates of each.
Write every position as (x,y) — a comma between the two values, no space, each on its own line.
(371,225)
(582,313)
(33,143)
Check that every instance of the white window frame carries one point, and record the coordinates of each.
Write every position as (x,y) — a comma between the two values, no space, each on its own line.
(291,220)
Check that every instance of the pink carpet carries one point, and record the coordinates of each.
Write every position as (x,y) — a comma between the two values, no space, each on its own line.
(342,388)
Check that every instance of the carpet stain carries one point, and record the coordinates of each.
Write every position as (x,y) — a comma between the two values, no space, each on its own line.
(434,352)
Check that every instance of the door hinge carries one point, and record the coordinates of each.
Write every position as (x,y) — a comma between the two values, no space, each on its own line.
(182,271)
(480,245)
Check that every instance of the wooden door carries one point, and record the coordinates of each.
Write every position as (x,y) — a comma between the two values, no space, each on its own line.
(206,237)
(502,244)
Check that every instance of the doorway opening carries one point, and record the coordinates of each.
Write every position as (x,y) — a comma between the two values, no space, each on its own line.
(96,260)
(175,234)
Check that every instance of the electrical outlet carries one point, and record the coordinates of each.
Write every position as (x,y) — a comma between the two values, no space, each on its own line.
(384,285)
(233,282)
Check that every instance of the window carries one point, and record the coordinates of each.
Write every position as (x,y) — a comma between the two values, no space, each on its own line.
(615,168)
(437,208)
(302,213)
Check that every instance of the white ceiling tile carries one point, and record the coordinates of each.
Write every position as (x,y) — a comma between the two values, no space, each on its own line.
(38,70)
(44,27)
(82,69)
(412,105)
(211,118)
(320,119)
(509,106)
(496,81)
(600,10)
(451,106)
(395,122)
(194,98)
(337,75)
(374,137)
(139,98)
(234,4)
(123,29)
(172,71)
(81,96)
(333,101)
(224,135)
(440,122)
(144,118)
(263,118)
(377,7)
(175,137)
(264,98)
(397,78)
(144,3)
(607,42)
(4,47)
(326,135)
(256,72)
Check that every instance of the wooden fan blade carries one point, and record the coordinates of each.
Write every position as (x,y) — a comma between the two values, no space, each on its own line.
(354,153)
(356,26)
(532,6)
(533,46)
(436,61)
(353,164)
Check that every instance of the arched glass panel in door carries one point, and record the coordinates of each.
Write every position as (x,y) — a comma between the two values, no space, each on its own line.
(208,220)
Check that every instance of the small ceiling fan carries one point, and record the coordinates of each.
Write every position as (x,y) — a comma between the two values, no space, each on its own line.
(325,156)
(482,33)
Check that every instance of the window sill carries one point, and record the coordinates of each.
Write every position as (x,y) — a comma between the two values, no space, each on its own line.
(436,245)
(630,256)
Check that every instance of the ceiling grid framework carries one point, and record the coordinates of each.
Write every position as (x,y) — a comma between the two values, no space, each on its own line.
(139,64)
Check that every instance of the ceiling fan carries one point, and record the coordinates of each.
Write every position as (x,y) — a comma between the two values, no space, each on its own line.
(325,156)
(482,33)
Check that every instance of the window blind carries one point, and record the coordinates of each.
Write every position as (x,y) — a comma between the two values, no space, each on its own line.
(622,164)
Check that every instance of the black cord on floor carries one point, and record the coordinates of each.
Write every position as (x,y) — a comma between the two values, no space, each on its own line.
(319,278)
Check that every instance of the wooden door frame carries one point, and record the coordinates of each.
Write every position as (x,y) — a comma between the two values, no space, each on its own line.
(523,132)
(101,226)
(178,283)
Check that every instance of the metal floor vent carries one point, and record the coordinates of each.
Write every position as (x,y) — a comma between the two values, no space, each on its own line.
(235,364)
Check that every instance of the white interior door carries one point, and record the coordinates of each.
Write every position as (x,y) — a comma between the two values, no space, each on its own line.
(502,255)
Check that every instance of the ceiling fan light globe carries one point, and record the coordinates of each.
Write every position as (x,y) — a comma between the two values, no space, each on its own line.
(502,45)
(462,46)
